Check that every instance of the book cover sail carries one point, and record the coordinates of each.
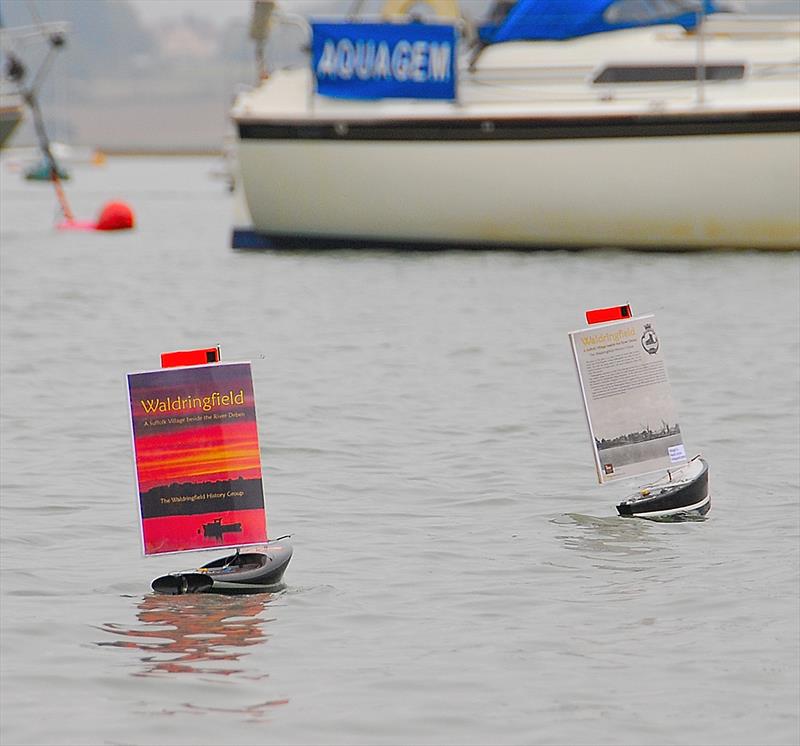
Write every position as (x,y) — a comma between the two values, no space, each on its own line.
(197,458)
(627,398)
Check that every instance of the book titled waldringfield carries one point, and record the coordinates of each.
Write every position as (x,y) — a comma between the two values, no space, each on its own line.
(627,398)
(197,458)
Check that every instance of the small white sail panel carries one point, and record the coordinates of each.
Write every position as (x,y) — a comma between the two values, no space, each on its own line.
(627,398)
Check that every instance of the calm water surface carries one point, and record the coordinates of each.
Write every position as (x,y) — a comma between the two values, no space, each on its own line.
(458,576)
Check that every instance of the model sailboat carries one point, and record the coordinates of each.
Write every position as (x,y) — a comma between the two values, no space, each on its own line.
(198,473)
(631,416)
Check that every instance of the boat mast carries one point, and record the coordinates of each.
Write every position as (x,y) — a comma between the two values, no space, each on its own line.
(701,53)
(259,31)
(16,73)
(355,10)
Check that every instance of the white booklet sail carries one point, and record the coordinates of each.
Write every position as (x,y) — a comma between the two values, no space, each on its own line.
(627,398)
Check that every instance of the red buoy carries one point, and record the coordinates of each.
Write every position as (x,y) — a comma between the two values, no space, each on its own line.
(115,216)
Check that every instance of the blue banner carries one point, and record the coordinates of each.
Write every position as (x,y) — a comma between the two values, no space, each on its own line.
(384,60)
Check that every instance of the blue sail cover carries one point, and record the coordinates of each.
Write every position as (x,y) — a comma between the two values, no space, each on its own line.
(567,19)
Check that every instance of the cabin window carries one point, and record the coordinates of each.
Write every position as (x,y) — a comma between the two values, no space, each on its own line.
(636,11)
(667,73)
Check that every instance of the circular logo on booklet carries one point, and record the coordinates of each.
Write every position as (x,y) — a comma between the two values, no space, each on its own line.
(649,340)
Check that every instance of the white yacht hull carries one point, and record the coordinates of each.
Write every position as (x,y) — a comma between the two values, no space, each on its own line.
(540,151)
(654,192)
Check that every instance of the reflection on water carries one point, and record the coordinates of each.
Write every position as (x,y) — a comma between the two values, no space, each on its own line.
(251,712)
(597,537)
(198,633)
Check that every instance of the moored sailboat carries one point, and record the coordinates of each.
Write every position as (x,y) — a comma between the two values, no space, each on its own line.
(570,123)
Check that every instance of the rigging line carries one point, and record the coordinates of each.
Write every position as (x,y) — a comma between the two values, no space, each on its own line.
(44,144)
(35,13)
(232,560)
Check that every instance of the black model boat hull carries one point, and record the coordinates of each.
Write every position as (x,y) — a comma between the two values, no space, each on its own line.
(683,497)
(253,571)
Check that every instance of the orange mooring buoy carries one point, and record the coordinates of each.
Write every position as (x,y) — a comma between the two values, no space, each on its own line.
(115,216)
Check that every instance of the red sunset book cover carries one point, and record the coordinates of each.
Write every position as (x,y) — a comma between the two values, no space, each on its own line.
(197,458)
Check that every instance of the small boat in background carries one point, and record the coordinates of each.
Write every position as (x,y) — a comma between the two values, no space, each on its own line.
(29,161)
(565,123)
(42,170)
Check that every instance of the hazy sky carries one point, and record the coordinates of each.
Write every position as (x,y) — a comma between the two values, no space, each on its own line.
(223,11)
(220,10)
